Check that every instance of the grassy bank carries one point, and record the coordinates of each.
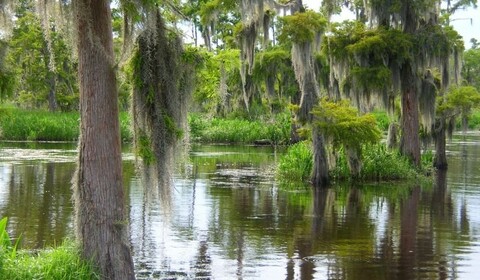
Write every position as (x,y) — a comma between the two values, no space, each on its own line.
(378,164)
(217,130)
(25,125)
(62,262)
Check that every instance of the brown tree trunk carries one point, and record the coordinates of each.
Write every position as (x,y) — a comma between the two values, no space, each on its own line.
(320,162)
(392,136)
(440,159)
(410,140)
(100,218)
(52,99)
(354,161)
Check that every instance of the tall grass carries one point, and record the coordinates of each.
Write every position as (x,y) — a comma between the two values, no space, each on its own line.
(63,262)
(23,125)
(379,164)
(219,130)
(295,166)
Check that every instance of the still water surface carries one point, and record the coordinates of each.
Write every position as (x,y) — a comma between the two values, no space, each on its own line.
(226,219)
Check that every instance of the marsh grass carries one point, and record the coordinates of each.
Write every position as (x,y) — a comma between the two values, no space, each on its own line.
(237,130)
(24,125)
(63,262)
(379,165)
(295,166)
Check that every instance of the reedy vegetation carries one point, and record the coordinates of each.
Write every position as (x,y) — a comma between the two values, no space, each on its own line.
(62,262)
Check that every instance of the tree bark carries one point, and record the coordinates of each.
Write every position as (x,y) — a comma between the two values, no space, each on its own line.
(392,136)
(101,223)
(440,159)
(320,162)
(410,140)
(354,161)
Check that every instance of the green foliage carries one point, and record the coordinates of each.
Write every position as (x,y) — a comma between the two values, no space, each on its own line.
(208,76)
(473,120)
(21,125)
(36,62)
(471,67)
(238,130)
(302,27)
(383,121)
(460,100)
(374,45)
(295,166)
(437,41)
(16,124)
(144,150)
(343,124)
(7,249)
(376,77)
(379,164)
(63,262)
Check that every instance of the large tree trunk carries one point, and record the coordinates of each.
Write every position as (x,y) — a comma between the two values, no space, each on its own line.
(101,220)
(51,79)
(354,161)
(410,140)
(440,159)
(52,99)
(320,162)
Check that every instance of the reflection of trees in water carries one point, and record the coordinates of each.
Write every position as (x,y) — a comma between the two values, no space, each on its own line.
(39,204)
(336,230)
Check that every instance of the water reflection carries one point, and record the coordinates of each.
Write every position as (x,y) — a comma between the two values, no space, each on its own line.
(36,198)
(225,219)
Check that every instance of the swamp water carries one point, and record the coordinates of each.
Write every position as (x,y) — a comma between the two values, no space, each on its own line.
(226,219)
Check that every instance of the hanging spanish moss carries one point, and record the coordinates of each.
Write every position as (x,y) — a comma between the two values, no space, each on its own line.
(303,65)
(7,8)
(256,16)
(162,87)
(427,98)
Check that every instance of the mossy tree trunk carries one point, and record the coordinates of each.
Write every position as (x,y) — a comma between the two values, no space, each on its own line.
(101,223)
(320,163)
(354,161)
(440,159)
(392,137)
(410,140)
